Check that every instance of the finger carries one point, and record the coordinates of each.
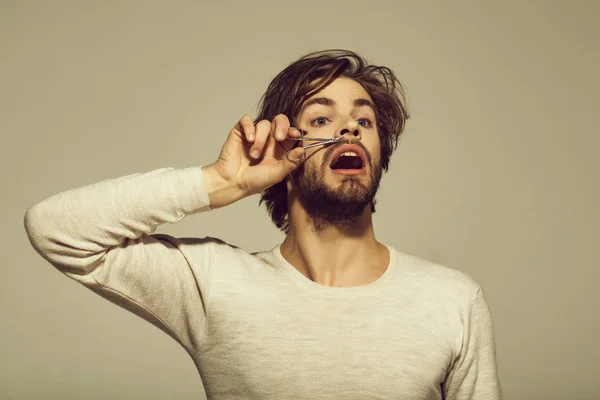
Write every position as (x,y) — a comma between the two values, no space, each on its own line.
(263,128)
(281,127)
(294,132)
(287,165)
(287,144)
(246,126)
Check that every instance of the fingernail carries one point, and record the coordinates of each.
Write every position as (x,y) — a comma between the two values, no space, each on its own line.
(280,135)
(251,137)
(255,153)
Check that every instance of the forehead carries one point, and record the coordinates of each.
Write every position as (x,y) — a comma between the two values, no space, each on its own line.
(343,88)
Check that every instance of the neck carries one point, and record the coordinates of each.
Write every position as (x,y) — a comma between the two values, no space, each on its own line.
(334,254)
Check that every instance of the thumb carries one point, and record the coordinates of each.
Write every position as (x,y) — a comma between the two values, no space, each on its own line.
(291,162)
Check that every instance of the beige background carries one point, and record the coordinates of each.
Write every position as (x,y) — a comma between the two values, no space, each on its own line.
(497,174)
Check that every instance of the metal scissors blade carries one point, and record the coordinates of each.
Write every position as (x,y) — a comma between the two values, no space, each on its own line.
(320,142)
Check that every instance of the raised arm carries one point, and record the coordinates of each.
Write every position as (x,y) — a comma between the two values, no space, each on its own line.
(102,234)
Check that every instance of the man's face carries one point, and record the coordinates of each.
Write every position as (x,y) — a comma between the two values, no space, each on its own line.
(331,193)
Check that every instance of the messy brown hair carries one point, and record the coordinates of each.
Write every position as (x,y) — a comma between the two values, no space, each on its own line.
(310,74)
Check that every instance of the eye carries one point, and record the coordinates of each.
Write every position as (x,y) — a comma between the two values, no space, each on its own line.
(365,122)
(319,121)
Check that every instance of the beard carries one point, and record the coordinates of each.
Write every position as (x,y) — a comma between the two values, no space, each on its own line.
(341,206)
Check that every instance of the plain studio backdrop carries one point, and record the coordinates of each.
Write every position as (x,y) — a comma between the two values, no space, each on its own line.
(497,173)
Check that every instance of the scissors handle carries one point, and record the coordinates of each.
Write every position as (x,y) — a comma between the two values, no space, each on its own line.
(321,142)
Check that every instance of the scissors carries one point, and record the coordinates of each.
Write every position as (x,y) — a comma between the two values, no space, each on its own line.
(321,142)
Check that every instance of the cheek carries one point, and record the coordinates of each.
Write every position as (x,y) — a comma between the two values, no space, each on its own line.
(316,155)
(316,162)
(374,147)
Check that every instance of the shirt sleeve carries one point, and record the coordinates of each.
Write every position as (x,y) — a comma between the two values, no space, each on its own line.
(474,375)
(101,235)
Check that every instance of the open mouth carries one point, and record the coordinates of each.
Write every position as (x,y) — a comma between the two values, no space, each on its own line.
(348,160)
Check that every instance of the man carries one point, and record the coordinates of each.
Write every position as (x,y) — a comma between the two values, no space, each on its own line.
(331,313)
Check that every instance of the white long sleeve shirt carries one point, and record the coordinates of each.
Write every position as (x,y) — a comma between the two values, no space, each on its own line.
(256,327)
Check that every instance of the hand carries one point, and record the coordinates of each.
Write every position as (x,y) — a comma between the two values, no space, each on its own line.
(251,160)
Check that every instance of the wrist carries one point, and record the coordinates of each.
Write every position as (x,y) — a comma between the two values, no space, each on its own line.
(221,192)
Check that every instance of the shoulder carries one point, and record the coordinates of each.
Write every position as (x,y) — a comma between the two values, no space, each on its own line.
(434,277)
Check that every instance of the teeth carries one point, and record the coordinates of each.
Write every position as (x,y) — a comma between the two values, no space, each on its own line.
(349,153)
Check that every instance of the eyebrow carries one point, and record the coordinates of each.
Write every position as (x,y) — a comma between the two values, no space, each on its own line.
(326,101)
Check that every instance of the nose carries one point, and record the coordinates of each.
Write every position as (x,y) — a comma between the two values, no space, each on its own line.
(350,129)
